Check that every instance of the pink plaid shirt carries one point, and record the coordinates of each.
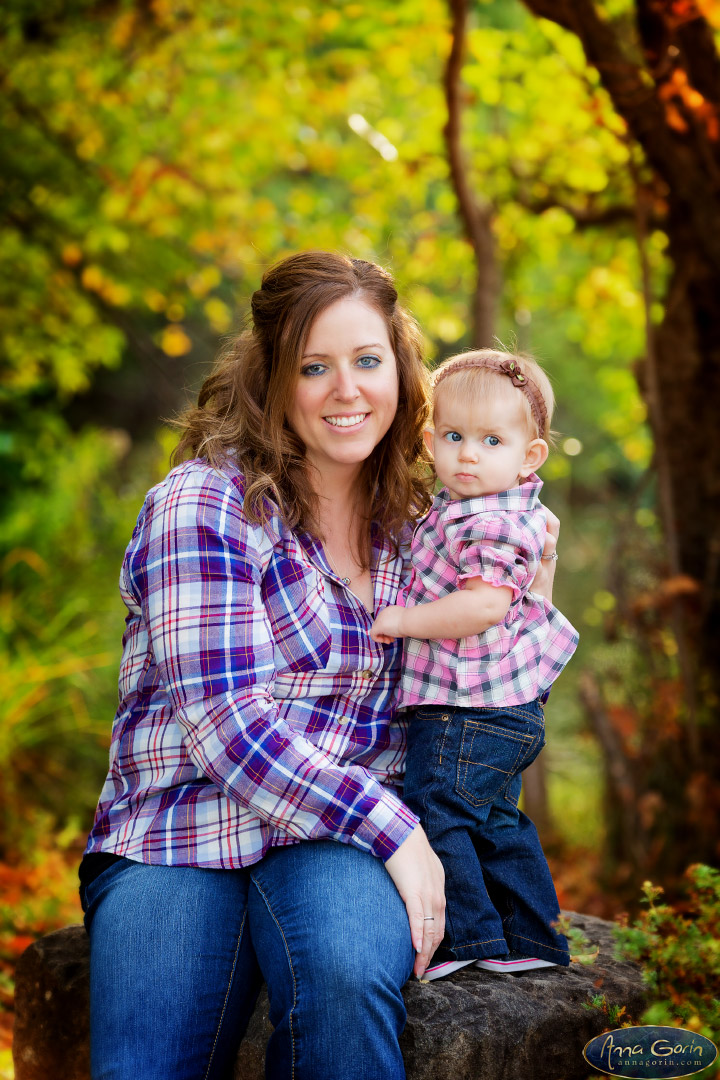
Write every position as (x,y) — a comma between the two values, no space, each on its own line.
(500,539)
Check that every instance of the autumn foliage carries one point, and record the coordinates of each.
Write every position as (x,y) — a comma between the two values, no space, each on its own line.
(156,157)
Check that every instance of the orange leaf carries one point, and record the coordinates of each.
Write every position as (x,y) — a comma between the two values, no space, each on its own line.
(19,943)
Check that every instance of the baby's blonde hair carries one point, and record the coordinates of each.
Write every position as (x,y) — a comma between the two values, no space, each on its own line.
(479,376)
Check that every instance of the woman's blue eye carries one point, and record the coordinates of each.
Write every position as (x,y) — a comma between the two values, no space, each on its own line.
(491,440)
(373,361)
(453,436)
(313,369)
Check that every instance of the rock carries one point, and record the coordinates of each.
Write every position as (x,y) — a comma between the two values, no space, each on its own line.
(511,1027)
(51,1038)
(472,1024)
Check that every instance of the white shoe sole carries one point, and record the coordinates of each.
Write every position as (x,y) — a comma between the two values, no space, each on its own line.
(439,971)
(530,963)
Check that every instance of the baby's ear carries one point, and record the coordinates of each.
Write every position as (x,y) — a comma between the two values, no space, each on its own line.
(535,457)
(429,437)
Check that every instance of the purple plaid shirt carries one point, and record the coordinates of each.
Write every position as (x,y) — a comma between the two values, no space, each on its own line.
(500,539)
(255,710)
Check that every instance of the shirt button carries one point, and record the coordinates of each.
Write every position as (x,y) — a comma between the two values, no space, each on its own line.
(366,673)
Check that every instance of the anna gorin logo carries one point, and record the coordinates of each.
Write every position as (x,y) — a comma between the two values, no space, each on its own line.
(650,1053)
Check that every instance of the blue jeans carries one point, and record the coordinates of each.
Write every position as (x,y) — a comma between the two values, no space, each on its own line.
(178,956)
(463,781)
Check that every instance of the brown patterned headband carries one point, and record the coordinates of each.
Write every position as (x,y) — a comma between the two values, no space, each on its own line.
(509,367)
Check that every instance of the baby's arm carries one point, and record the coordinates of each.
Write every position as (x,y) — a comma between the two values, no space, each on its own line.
(463,613)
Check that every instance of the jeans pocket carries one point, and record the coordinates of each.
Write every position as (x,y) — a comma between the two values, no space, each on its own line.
(492,751)
(92,892)
(432,712)
(427,733)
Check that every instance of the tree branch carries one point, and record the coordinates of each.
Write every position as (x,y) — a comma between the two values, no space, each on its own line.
(679,158)
(476,218)
(698,51)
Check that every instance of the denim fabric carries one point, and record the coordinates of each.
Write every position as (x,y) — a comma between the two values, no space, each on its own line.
(178,955)
(463,781)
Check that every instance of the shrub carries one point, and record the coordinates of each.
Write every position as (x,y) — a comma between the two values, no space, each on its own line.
(679,950)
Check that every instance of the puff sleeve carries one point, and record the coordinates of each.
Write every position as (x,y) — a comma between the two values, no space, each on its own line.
(496,547)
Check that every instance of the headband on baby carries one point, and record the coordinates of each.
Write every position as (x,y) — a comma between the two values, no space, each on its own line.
(509,367)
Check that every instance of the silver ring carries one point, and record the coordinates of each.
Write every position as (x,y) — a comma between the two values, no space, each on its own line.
(429,918)
(552,557)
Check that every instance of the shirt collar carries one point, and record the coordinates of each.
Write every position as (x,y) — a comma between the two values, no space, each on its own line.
(524,497)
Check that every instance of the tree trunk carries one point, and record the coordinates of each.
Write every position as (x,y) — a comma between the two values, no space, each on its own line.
(670,105)
(476,214)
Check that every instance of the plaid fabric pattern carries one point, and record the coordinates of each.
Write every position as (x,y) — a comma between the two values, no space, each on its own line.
(500,539)
(255,710)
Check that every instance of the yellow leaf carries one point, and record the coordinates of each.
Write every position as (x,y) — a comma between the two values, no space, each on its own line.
(92,278)
(329,20)
(206,279)
(155,300)
(71,255)
(175,342)
(117,295)
(218,314)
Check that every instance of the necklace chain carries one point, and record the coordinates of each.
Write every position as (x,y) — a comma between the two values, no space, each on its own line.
(345,580)
(333,567)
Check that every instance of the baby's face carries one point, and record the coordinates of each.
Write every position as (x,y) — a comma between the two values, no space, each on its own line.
(481,448)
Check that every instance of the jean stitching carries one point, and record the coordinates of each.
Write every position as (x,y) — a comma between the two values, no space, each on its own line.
(227,996)
(524,714)
(488,941)
(443,739)
(274,918)
(563,952)
(512,736)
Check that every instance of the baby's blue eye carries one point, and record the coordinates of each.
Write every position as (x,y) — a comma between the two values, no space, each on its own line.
(491,440)
(453,436)
(373,361)
(312,369)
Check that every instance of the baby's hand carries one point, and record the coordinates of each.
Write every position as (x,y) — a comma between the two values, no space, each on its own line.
(388,625)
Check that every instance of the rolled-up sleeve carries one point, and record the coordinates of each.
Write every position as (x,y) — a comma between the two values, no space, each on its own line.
(196,574)
(498,550)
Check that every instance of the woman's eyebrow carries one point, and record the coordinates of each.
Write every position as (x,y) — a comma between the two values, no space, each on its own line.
(358,348)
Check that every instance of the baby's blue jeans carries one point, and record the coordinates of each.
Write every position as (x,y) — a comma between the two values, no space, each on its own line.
(178,955)
(463,781)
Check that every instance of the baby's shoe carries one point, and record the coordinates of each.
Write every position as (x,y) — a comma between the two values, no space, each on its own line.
(445,967)
(513,961)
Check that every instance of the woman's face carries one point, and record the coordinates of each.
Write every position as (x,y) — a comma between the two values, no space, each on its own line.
(347,387)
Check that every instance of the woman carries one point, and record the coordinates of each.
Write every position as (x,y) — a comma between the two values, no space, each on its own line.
(255,710)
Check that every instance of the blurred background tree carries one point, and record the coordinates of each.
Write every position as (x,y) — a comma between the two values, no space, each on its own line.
(652,80)
(547,180)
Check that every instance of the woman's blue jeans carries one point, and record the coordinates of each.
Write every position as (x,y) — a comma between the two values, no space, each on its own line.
(178,956)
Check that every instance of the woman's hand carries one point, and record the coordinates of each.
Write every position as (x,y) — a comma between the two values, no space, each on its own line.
(543,580)
(420,880)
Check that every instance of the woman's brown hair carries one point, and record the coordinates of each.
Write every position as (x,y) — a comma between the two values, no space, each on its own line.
(243,403)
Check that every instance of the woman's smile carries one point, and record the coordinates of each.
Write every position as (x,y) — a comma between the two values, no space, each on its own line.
(342,421)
